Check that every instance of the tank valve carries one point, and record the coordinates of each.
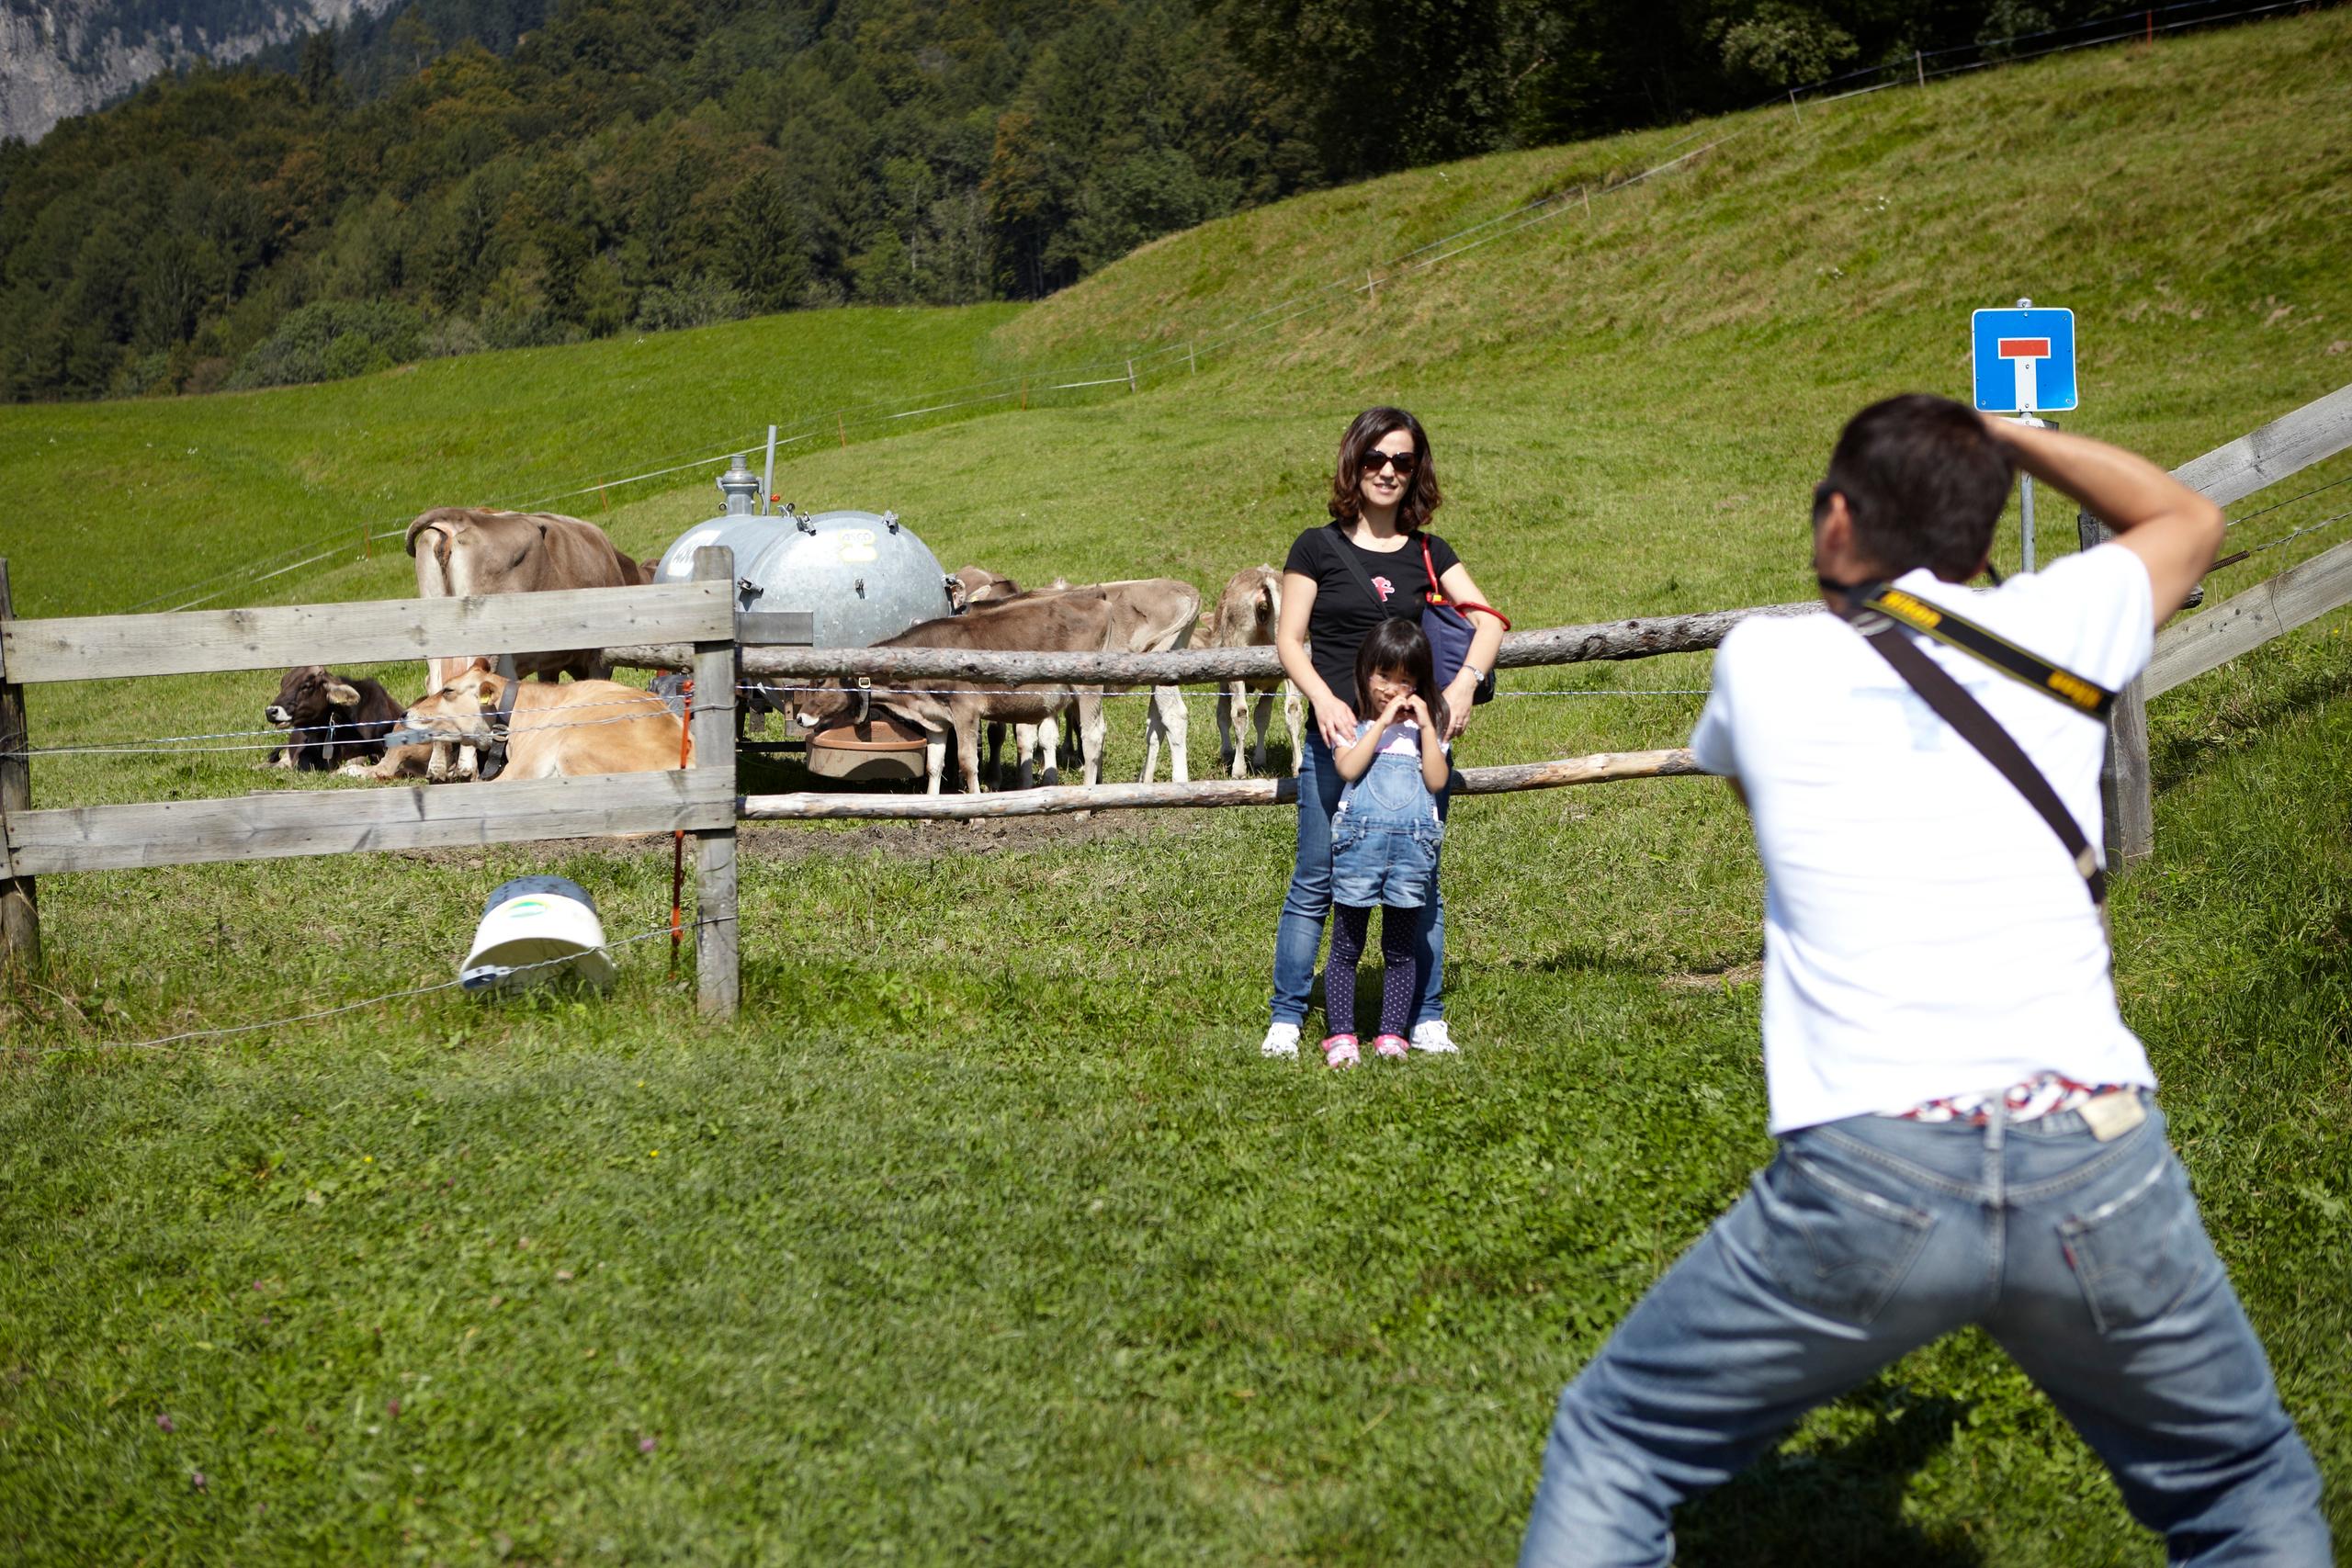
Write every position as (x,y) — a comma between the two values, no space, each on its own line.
(861,588)
(890,521)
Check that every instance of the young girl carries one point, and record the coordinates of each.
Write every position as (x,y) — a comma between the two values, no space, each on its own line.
(1384,834)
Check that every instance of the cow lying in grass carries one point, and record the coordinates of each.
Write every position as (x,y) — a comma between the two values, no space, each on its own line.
(465,551)
(1246,615)
(941,708)
(334,722)
(554,731)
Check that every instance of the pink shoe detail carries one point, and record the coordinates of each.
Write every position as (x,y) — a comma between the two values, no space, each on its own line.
(1389,1045)
(1339,1051)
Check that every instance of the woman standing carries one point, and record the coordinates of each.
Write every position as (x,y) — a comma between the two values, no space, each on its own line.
(1340,582)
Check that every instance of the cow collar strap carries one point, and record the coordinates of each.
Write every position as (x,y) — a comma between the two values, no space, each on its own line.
(1865,608)
(493,756)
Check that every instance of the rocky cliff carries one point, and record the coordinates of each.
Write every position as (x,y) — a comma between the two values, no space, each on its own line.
(61,57)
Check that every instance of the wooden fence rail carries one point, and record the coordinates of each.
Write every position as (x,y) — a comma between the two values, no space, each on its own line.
(824,806)
(1643,637)
(700,800)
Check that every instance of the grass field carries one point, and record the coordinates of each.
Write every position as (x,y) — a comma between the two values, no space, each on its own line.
(986,1234)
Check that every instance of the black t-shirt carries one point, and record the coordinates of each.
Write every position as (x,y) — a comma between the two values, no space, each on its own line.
(1344,614)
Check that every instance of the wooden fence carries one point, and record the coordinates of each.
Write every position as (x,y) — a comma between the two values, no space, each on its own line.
(698,615)
(694,623)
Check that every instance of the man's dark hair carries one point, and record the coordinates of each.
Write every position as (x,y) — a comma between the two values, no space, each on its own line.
(1925,482)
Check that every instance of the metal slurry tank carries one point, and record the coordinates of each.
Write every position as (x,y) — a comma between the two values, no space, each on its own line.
(860,576)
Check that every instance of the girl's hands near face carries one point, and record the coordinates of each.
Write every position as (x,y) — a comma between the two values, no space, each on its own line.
(1420,710)
(1402,701)
(1335,721)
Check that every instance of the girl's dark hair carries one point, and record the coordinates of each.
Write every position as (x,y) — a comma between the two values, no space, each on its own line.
(1398,644)
(1370,428)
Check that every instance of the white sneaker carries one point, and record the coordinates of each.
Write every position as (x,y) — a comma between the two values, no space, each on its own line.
(1430,1035)
(1282,1040)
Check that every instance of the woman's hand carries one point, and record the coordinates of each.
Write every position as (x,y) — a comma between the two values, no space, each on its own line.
(1335,720)
(1458,698)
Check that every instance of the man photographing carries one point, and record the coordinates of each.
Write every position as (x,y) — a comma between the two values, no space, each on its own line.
(1966,1129)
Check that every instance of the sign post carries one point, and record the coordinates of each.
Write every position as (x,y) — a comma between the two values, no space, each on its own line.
(2024,365)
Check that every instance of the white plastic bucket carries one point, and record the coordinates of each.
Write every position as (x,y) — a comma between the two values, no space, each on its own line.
(529,928)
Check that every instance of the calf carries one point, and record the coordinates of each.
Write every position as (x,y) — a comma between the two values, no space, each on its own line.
(1032,623)
(1148,615)
(554,731)
(970,585)
(334,722)
(1245,615)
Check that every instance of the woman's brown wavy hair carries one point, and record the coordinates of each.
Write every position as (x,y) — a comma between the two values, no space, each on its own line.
(1372,425)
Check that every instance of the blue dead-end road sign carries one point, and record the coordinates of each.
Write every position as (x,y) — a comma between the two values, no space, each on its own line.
(2025,360)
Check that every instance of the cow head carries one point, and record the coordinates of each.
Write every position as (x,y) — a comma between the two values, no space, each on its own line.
(306,695)
(849,700)
(461,710)
(972,585)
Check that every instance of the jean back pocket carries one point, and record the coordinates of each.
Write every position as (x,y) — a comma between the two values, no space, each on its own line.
(1834,1248)
(2136,1254)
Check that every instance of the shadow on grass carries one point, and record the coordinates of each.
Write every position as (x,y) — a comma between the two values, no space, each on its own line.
(2177,753)
(1841,1503)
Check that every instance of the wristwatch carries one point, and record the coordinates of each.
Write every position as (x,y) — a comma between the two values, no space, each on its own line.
(1473,670)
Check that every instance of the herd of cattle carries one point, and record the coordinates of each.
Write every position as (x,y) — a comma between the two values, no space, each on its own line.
(475,723)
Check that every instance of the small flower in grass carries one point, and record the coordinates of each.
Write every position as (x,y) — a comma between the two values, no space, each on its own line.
(195,1478)
(653,1153)
(393,1409)
(645,1445)
(164,1423)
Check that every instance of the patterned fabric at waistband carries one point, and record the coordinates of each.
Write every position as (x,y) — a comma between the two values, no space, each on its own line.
(2037,1097)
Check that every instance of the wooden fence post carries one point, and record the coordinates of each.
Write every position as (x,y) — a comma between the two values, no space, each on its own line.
(2126,793)
(19,912)
(717,954)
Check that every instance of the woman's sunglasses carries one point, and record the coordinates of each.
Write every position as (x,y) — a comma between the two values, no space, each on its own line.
(1403,462)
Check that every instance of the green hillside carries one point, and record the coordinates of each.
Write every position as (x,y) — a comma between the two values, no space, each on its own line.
(986,1234)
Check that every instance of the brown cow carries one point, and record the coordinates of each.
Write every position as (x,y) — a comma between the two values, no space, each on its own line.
(465,550)
(1148,615)
(970,585)
(1246,615)
(556,730)
(1076,623)
(334,722)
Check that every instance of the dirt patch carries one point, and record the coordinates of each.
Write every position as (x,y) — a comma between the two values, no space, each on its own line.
(1715,979)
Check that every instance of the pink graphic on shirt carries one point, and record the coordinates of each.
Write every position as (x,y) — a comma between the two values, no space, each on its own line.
(1387,589)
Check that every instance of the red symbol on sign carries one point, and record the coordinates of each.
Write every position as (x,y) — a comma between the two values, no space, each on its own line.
(2022,347)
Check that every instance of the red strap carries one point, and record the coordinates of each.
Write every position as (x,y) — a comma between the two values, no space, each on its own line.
(1437,595)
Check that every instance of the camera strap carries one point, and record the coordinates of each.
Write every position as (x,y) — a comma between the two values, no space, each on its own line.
(1870,611)
(2052,681)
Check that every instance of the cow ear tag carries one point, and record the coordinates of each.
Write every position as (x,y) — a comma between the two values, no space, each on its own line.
(488,699)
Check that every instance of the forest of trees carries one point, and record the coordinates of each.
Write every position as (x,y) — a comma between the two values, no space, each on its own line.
(467,173)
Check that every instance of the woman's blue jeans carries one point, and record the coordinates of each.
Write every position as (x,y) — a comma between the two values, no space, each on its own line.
(1866,1239)
(1299,937)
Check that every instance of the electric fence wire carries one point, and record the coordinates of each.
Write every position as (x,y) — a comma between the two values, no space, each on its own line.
(2290,501)
(183,745)
(2291,538)
(226,1032)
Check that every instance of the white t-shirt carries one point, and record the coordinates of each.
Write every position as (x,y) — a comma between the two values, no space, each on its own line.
(1925,932)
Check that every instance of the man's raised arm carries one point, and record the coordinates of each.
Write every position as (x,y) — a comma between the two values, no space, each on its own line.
(2173,530)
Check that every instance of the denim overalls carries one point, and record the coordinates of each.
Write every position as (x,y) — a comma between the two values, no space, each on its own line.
(1385,833)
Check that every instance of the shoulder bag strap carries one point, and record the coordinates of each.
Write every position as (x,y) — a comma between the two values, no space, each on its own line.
(1965,713)
(1347,553)
(1436,594)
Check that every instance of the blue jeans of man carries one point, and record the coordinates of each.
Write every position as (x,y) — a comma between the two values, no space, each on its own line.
(1867,1238)
(1299,937)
